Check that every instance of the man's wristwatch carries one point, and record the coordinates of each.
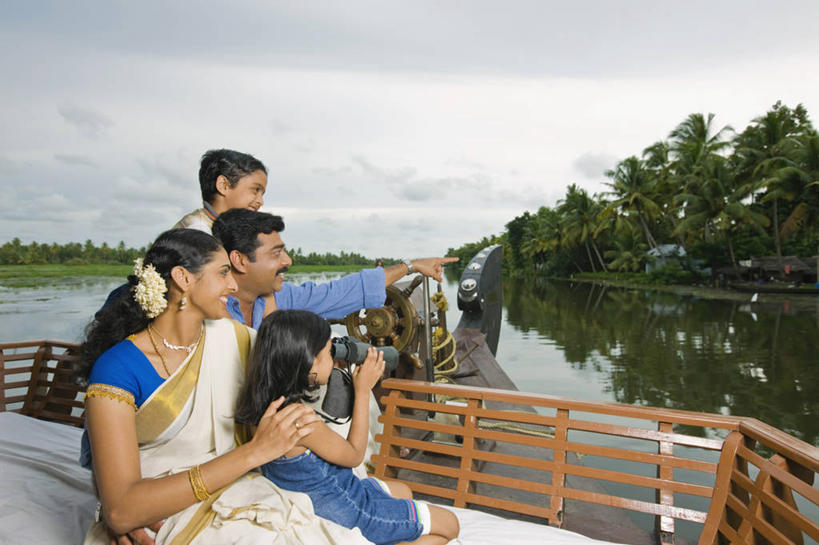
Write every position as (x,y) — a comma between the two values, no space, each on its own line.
(408,263)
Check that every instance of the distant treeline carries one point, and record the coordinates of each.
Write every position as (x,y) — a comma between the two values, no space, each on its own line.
(74,253)
(343,258)
(721,195)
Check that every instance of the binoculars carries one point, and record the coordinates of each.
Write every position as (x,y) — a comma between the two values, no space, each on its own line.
(353,351)
(338,401)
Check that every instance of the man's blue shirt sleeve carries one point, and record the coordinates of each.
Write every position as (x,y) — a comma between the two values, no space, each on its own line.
(337,298)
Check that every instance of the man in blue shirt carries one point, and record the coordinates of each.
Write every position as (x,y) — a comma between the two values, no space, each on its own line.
(259,260)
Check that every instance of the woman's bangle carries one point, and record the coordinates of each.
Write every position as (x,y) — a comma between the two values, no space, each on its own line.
(198,485)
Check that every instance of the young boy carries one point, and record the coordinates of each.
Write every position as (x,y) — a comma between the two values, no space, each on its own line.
(228,179)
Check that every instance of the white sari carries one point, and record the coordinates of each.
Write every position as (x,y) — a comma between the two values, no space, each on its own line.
(188,420)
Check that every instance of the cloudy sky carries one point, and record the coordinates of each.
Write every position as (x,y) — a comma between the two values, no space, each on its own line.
(388,128)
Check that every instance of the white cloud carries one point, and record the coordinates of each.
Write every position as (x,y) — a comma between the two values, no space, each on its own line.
(87,121)
(7,166)
(594,165)
(79,160)
(54,208)
(376,138)
(388,231)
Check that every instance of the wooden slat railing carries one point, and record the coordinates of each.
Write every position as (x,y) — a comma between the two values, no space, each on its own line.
(746,482)
(38,378)
(503,460)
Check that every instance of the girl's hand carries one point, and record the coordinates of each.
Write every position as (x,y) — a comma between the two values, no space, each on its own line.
(278,432)
(367,375)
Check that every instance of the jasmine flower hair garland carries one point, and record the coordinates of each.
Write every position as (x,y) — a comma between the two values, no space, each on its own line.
(149,293)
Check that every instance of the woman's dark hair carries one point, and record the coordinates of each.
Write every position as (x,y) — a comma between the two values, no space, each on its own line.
(286,345)
(233,165)
(122,316)
(239,229)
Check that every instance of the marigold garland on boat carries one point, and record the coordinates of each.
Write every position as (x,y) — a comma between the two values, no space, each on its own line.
(151,289)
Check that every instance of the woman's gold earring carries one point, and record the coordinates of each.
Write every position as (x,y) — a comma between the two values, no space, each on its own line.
(183,303)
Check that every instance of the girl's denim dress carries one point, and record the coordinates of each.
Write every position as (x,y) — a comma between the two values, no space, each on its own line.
(338,495)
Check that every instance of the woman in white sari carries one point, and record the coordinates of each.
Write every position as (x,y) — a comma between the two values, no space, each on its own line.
(166,372)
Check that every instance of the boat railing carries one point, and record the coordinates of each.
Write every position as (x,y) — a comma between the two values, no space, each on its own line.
(39,379)
(737,479)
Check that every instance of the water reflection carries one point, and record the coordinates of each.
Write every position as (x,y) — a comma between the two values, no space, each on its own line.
(577,340)
(682,352)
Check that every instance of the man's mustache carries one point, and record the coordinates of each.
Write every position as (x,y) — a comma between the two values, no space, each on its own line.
(283,270)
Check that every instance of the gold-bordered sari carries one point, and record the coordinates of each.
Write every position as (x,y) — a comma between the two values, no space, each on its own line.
(188,420)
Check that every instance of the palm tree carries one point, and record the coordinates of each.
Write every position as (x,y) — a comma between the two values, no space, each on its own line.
(693,142)
(799,182)
(542,234)
(629,252)
(692,145)
(765,148)
(634,191)
(580,213)
(714,205)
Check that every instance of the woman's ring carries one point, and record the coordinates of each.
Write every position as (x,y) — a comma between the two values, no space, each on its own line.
(298,426)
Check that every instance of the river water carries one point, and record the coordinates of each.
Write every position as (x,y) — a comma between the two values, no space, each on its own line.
(582,341)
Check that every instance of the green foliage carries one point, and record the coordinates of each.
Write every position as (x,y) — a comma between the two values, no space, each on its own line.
(467,251)
(343,258)
(671,274)
(710,252)
(74,253)
(722,196)
(62,271)
(749,243)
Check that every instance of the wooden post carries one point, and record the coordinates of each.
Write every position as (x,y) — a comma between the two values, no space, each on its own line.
(465,486)
(664,525)
(388,448)
(3,406)
(785,494)
(556,503)
(35,391)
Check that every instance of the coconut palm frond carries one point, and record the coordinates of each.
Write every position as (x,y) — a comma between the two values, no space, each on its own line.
(795,221)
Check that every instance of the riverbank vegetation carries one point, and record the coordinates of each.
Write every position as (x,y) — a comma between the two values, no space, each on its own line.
(28,276)
(718,194)
(103,259)
(60,271)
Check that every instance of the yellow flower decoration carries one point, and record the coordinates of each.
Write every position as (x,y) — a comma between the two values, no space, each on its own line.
(150,291)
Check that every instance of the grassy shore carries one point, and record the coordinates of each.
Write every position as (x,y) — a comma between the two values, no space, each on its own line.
(21,275)
(61,271)
(637,282)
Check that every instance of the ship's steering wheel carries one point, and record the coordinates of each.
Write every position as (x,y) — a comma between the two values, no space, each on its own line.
(395,324)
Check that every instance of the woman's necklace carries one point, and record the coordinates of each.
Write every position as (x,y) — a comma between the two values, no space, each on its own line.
(156,349)
(189,348)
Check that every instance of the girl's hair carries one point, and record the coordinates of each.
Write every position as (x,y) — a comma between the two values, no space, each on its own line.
(121,315)
(287,343)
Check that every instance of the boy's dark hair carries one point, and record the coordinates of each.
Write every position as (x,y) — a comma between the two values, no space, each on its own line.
(233,165)
(238,229)
(286,345)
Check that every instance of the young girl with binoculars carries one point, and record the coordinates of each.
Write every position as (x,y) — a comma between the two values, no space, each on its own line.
(291,358)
